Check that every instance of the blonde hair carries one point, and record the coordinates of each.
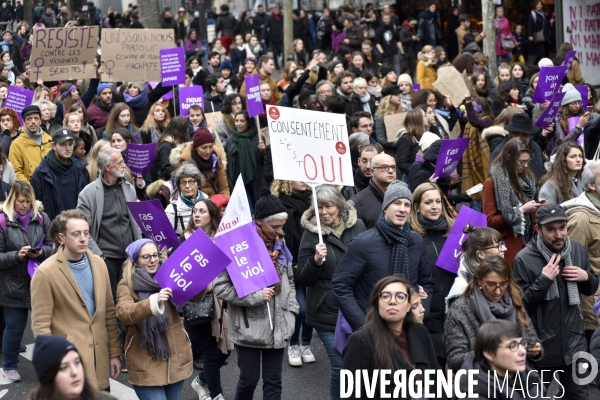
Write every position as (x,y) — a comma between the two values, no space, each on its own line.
(503,66)
(151,122)
(48,103)
(19,188)
(506,115)
(129,269)
(93,157)
(38,92)
(69,115)
(387,108)
(278,187)
(417,197)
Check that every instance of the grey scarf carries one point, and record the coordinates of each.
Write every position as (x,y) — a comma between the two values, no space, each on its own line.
(509,203)
(486,310)
(565,256)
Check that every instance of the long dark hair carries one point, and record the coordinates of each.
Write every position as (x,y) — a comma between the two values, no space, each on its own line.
(249,120)
(215,218)
(177,130)
(558,170)
(385,342)
(507,160)
(226,107)
(504,89)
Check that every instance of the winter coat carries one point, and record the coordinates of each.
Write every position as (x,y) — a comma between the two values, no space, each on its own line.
(558,325)
(226,24)
(381,135)
(494,136)
(537,158)
(179,213)
(258,22)
(367,260)
(259,181)
(97,114)
(25,154)
(140,113)
(273,30)
(145,370)
(321,306)
(426,75)
(549,191)
(429,29)
(86,99)
(264,79)
(536,23)
(407,148)
(215,179)
(57,309)
(368,206)
(14,278)
(355,36)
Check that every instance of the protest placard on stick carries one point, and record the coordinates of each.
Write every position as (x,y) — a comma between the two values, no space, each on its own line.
(451,84)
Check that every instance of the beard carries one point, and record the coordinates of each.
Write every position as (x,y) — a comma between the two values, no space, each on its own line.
(117,174)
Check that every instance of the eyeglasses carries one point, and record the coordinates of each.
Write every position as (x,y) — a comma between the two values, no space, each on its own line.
(524,163)
(498,246)
(514,345)
(386,297)
(493,286)
(386,167)
(325,91)
(147,257)
(188,182)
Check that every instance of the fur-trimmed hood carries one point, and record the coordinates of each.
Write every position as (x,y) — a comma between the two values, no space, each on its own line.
(493,131)
(153,189)
(309,219)
(175,156)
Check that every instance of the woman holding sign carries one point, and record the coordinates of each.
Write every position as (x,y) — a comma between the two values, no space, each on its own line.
(157,350)
(188,181)
(571,118)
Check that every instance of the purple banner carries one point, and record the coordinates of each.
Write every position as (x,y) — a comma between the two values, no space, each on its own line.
(448,258)
(342,332)
(18,99)
(583,89)
(172,66)
(416,87)
(139,157)
(549,115)
(192,267)
(154,223)
(549,82)
(572,123)
(252,268)
(189,96)
(569,59)
(253,99)
(451,154)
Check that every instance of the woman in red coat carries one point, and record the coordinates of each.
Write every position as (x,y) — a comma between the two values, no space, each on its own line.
(502,27)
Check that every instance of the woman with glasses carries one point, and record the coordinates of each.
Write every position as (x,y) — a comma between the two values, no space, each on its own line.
(491,294)
(157,350)
(232,104)
(188,181)
(433,99)
(562,182)
(391,338)
(500,353)
(508,196)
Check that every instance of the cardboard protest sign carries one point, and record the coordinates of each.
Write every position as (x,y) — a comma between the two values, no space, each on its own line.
(189,96)
(451,84)
(469,84)
(139,157)
(583,90)
(154,223)
(549,115)
(310,146)
(133,54)
(253,99)
(64,53)
(17,99)
(192,267)
(451,154)
(448,258)
(213,119)
(252,268)
(569,59)
(172,66)
(393,123)
(265,132)
(549,81)
(237,212)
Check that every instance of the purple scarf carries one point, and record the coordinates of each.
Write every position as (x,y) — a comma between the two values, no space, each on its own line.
(24,219)
(285,256)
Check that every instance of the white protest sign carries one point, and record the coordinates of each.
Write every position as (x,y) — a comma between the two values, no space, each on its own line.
(237,212)
(309,146)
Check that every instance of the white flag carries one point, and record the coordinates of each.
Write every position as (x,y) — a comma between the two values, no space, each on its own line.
(238,210)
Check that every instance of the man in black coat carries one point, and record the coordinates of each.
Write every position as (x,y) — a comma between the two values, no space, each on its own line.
(273,30)
(258,22)
(552,272)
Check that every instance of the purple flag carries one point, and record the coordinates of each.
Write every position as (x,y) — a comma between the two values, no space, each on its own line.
(549,114)
(154,223)
(18,99)
(583,89)
(569,59)
(139,157)
(342,332)
(189,96)
(572,123)
(416,87)
(252,268)
(451,154)
(253,99)
(172,66)
(192,267)
(549,82)
(448,258)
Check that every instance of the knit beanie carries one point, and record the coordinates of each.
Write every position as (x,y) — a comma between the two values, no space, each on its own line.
(333,64)
(103,86)
(545,62)
(405,78)
(140,85)
(202,136)
(396,190)
(49,350)
(386,69)
(571,94)
(267,205)
(433,151)
(427,139)
(226,65)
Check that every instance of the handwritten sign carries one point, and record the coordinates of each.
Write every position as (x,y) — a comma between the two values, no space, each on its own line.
(190,96)
(581,19)
(393,123)
(470,85)
(154,223)
(549,114)
(549,81)
(192,267)
(213,119)
(17,99)
(310,146)
(64,53)
(172,66)
(139,157)
(450,156)
(253,99)
(448,258)
(451,84)
(134,53)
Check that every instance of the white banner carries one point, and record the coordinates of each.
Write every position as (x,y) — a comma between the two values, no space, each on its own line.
(580,21)
(309,146)
(237,212)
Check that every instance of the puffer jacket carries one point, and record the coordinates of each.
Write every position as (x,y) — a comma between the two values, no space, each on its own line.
(25,154)
(321,306)
(179,213)
(226,24)
(215,179)
(14,279)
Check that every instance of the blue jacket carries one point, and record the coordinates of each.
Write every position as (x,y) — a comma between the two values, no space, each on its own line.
(366,261)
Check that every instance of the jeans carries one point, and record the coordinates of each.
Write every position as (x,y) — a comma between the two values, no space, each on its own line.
(503,59)
(212,358)
(335,360)
(195,339)
(394,62)
(476,205)
(115,273)
(167,392)
(16,322)
(307,330)
(249,363)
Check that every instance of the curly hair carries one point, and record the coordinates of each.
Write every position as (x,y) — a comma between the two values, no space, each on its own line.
(387,108)
(13,116)
(558,170)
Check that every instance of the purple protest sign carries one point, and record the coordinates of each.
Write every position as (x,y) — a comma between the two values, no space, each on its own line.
(416,87)
(451,250)
(584,96)
(549,81)
(189,96)
(172,66)
(154,223)
(253,100)
(572,124)
(168,96)
(192,267)
(451,154)
(342,332)
(252,268)
(33,264)
(139,157)
(569,59)
(17,99)
(549,115)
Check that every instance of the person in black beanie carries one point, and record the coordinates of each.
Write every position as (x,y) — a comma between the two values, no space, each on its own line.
(262,323)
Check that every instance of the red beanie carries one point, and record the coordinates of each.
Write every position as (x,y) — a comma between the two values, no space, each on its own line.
(202,136)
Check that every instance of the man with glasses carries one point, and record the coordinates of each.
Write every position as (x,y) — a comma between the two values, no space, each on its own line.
(363,173)
(324,89)
(71,297)
(553,271)
(367,202)
(361,122)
